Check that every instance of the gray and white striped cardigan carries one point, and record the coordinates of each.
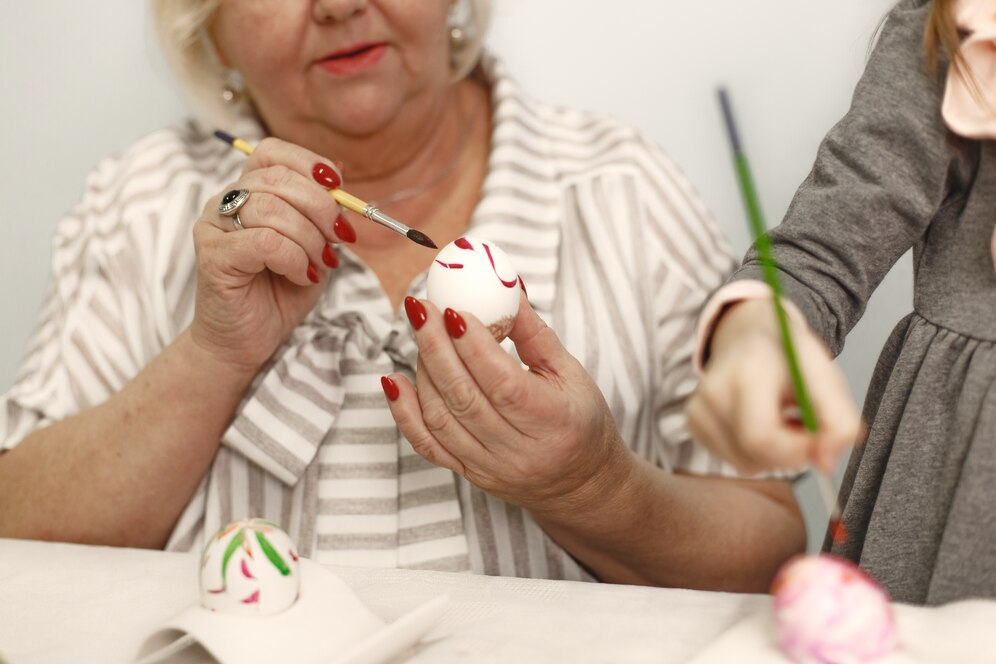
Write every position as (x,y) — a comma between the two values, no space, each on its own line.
(616,249)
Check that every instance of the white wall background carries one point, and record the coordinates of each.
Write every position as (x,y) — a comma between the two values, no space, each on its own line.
(84,80)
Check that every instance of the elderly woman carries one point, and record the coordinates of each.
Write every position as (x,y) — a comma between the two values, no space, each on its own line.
(179,379)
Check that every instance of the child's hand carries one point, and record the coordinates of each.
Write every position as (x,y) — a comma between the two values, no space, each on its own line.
(742,409)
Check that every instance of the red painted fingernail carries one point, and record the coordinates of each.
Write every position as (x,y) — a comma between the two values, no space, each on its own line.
(312,274)
(326,176)
(390,388)
(329,257)
(416,312)
(522,285)
(455,324)
(343,230)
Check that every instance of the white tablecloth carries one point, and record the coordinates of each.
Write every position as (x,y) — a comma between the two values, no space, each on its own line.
(70,603)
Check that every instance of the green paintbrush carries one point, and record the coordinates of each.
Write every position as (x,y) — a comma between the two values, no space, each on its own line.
(762,243)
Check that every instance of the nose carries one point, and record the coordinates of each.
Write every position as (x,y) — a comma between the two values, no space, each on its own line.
(338,10)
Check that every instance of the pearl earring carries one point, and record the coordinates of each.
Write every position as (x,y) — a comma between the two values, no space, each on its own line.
(457,22)
(457,38)
(233,88)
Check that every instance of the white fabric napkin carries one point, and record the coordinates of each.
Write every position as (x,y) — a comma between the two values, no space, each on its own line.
(327,624)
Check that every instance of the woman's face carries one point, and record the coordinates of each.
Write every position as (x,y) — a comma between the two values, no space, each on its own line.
(349,66)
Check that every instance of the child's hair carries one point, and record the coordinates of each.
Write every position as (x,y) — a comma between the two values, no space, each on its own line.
(941,35)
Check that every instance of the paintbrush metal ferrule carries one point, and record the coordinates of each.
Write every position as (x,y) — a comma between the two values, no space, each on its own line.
(375,214)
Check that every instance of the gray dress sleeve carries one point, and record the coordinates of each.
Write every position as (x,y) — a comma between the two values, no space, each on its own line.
(881,175)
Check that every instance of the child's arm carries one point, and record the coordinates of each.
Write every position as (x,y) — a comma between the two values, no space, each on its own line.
(881,176)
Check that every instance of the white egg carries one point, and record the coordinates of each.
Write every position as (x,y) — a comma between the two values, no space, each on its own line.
(476,276)
(249,568)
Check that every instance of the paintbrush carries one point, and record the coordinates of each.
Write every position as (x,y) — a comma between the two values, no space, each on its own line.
(348,201)
(762,243)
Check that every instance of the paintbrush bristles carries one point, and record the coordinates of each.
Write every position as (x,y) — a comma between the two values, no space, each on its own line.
(731,127)
(224,135)
(421,238)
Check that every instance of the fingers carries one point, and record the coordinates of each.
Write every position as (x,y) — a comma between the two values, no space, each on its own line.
(536,344)
(456,408)
(288,188)
(765,435)
(241,255)
(406,408)
(716,418)
(303,179)
(274,152)
(517,436)
(527,400)
(840,425)
(264,210)
(715,435)
(740,407)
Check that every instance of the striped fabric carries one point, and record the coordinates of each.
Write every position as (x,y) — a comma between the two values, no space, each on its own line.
(615,247)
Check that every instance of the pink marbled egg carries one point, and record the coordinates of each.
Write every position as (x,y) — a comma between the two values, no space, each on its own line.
(829,610)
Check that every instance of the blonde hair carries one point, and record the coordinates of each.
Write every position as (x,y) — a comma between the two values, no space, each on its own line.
(941,36)
(182,27)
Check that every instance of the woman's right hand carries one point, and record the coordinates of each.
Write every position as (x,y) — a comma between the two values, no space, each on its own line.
(255,284)
(742,407)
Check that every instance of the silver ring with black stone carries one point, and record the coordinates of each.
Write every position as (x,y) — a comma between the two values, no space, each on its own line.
(230,205)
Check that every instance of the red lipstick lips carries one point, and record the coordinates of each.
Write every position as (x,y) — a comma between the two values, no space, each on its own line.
(353,59)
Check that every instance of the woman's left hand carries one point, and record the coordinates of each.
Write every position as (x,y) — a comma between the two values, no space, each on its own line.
(533,437)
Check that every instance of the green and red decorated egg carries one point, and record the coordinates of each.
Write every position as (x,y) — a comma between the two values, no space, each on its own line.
(249,567)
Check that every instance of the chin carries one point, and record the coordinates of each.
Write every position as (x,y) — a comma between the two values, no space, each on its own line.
(365,111)
(361,124)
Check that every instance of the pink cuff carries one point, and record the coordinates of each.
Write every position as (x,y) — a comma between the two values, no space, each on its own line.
(730,294)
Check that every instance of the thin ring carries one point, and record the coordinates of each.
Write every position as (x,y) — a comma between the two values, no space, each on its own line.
(237,222)
(232,201)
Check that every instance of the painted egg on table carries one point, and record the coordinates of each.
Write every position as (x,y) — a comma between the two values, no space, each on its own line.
(249,567)
(476,276)
(827,609)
